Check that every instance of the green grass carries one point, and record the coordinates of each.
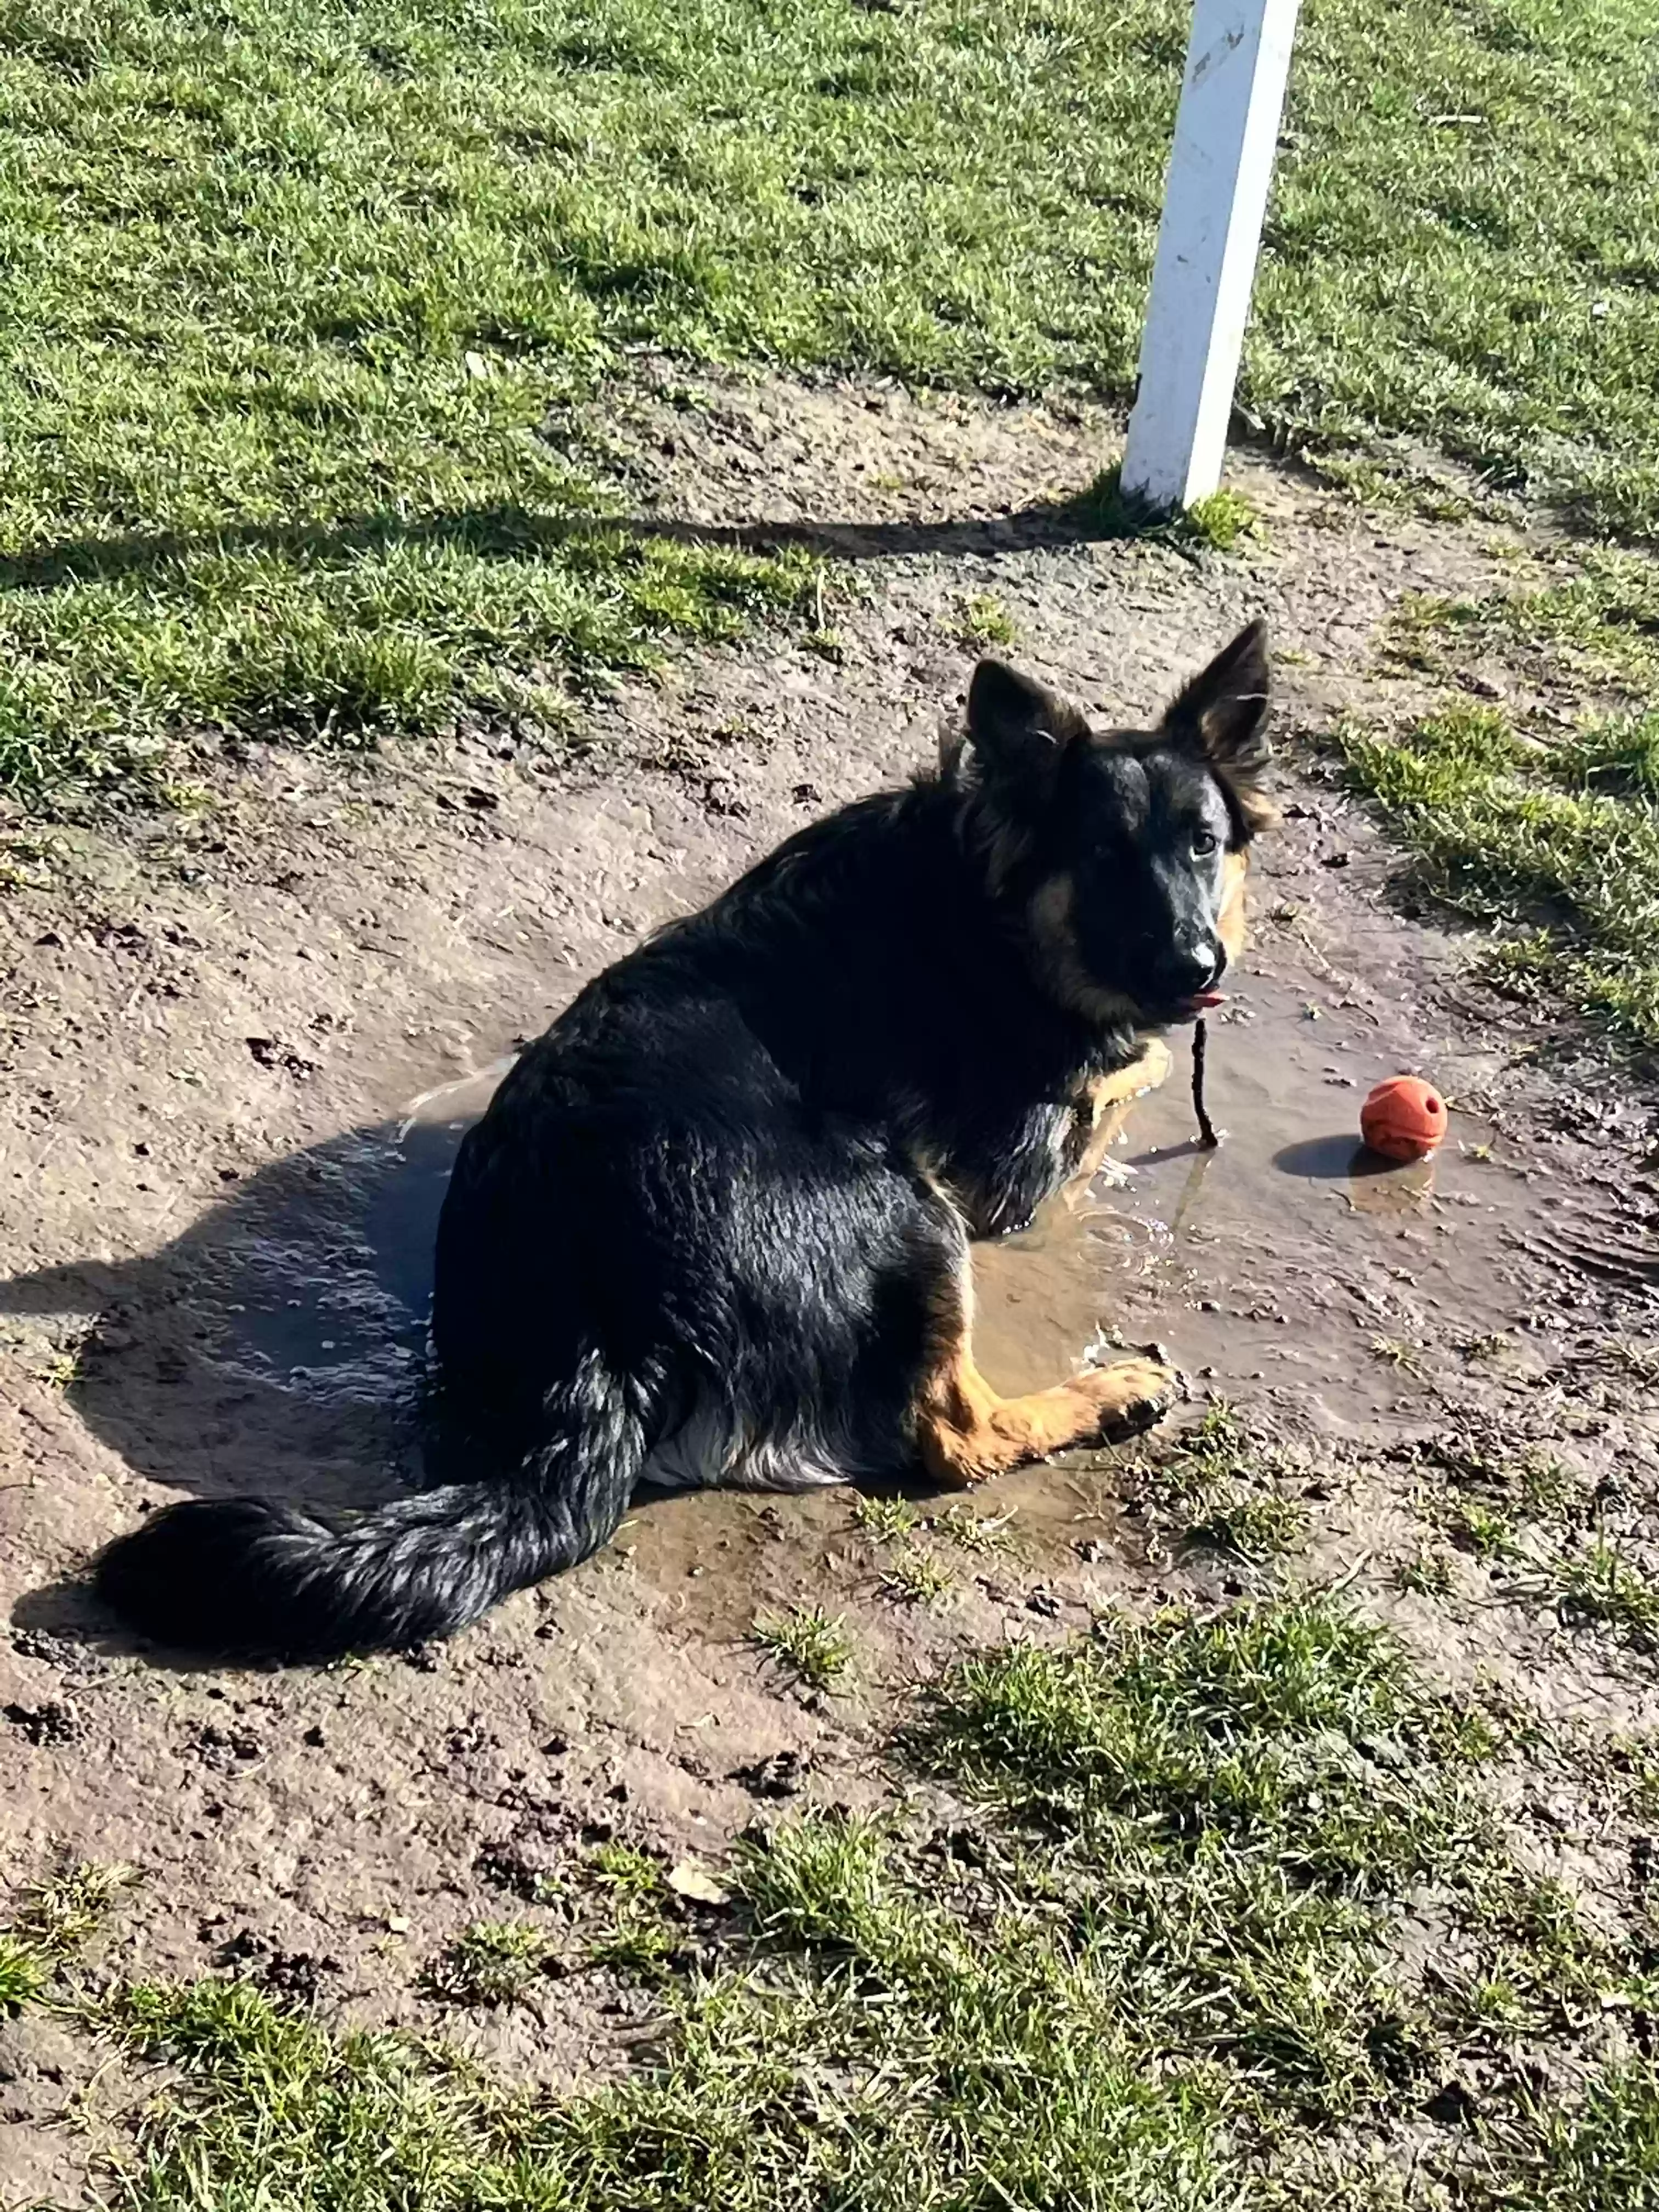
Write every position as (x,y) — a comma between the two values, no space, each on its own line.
(294,290)
(1252,1525)
(626,1871)
(61,1913)
(1214,1486)
(1480,1528)
(635,1938)
(1587,613)
(1201,1732)
(54,1920)
(885,1520)
(981,620)
(1221,522)
(1603,2155)
(493,1962)
(918,1576)
(23,1975)
(1185,1988)
(812,1644)
(1556,841)
(1429,1572)
(976,1532)
(1545,1488)
(1603,1585)
(1210,1457)
(1546,826)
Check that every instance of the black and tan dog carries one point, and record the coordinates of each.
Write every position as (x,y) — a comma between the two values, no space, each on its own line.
(714,1227)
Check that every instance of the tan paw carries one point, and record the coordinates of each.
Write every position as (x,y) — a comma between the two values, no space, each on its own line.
(1132,1396)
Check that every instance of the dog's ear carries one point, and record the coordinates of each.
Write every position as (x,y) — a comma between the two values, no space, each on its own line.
(1222,714)
(1016,725)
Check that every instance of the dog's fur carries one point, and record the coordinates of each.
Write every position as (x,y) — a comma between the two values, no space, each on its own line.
(714,1227)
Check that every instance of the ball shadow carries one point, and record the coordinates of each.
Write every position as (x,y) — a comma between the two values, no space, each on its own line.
(1337,1158)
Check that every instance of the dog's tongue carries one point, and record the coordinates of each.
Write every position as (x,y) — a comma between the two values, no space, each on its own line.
(1202,1001)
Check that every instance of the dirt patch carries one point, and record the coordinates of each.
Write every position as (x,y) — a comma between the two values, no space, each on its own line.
(239,1052)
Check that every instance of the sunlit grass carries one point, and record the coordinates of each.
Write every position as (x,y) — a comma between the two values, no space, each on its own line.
(299,297)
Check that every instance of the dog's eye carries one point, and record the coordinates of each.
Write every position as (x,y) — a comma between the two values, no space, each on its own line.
(1204,841)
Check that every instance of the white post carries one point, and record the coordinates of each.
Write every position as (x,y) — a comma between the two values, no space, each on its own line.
(1238,61)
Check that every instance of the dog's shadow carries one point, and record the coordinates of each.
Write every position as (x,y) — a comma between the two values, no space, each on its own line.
(276,1348)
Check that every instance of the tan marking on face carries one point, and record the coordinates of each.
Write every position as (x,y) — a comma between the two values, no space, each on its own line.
(1230,923)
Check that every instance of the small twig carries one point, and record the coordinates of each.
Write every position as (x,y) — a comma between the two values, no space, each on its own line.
(1207,1132)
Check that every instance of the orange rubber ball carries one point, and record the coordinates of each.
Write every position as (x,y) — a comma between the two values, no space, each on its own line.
(1403,1119)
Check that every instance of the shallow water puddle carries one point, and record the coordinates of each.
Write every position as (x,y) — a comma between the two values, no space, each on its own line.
(1285,1266)
(1289,1257)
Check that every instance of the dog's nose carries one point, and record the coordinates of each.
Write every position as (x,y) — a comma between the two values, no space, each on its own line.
(1195,966)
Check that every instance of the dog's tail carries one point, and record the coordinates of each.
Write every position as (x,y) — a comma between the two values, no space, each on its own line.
(241,1577)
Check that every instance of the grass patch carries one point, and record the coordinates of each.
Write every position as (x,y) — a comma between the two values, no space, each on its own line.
(1635,1761)
(981,620)
(1210,1458)
(295,292)
(1197,1728)
(637,1943)
(1173,1976)
(1480,1530)
(1389,482)
(1602,2155)
(1221,522)
(974,1532)
(636,1939)
(885,1520)
(1588,615)
(60,1915)
(1558,841)
(1430,1572)
(55,1920)
(1631,1357)
(493,1962)
(1542,1968)
(1252,1526)
(23,1975)
(1213,1485)
(1393,1351)
(1545,1490)
(1601,1585)
(813,1644)
(1551,835)
(625,1871)
(918,1576)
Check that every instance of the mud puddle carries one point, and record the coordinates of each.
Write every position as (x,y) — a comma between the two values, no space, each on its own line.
(282,1337)
(1289,1257)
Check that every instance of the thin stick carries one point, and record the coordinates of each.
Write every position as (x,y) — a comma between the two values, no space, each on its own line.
(1207,1131)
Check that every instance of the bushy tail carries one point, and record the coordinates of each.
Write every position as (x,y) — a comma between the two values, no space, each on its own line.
(239,1576)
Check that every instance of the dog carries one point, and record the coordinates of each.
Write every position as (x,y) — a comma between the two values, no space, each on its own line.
(714,1227)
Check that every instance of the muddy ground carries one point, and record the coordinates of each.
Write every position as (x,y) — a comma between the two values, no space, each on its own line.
(238,1050)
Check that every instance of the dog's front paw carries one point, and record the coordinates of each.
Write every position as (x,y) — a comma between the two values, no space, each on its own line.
(1133,1396)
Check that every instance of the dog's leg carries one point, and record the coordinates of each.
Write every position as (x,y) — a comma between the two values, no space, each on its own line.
(1109,1098)
(966,1433)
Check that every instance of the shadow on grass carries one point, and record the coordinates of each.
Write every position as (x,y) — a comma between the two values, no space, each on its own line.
(510,533)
